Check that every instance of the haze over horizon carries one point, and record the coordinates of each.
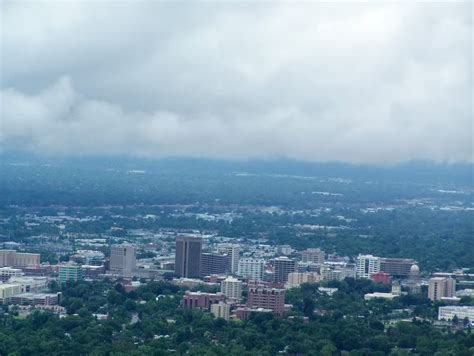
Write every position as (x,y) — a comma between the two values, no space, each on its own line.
(347,82)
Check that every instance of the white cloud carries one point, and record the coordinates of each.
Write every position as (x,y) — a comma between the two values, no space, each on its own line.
(347,82)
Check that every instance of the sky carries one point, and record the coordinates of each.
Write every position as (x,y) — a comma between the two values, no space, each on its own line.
(354,82)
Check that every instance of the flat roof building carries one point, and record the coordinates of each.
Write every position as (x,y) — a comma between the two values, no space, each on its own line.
(188,256)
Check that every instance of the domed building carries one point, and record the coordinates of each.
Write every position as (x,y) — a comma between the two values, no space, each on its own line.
(413,283)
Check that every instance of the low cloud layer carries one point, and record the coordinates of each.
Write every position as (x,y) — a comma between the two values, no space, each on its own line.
(314,81)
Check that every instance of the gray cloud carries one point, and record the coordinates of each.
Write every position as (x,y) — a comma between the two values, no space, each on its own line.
(315,81)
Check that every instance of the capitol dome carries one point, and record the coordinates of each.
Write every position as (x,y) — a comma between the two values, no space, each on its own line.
(414,269)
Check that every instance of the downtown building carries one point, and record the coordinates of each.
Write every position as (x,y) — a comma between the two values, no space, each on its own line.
(201,300)
(338,271)
(267,298)
(233,251)
(188,256)
(295,279)
(123,260)
(313,255)
(367,265)
(11,258)
(251,268)
(214,263)
(282,266)
(441,287)
(397,267)
(232,289)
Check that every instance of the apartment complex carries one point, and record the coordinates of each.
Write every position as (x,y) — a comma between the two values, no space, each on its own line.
(232,288)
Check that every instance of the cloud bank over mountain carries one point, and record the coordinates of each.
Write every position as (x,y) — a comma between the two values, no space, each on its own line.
(373,83)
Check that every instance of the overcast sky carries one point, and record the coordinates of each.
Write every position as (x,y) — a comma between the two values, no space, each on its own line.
(351,82)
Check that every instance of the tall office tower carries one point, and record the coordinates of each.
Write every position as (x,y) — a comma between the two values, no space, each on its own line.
(251,268)
(267,298)
(397,267)
(282,266)
(232,288)
(122,260)
(214,263)
(233,251)
(70,272)
(367,265)
(11,258)
(441,287)
(188,256)
(313,255)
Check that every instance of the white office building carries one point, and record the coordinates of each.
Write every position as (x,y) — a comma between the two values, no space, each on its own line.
(122,260)
(367,265)
(251,268)
(462,312)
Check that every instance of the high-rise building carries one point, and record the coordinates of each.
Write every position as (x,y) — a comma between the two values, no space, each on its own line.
(214,263)
(232,288)
(70,272)
(188,256)
(122,260)
(251,268)
(221,310)
(282,266)
(367,265)
(233,251)
(396,267)
(441,287)
(313,255)
(267,298)
(11,258)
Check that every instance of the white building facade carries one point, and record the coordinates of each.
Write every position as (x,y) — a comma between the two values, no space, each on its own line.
(232,288)
(251,268)
(367,265)
(462,312)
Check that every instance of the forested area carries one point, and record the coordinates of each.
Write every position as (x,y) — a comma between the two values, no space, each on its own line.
(150,321)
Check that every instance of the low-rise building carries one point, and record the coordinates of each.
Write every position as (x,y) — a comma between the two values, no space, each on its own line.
(243,313)
(267,298)
(462,312)
(221,310)
(295,279)
(201,300)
